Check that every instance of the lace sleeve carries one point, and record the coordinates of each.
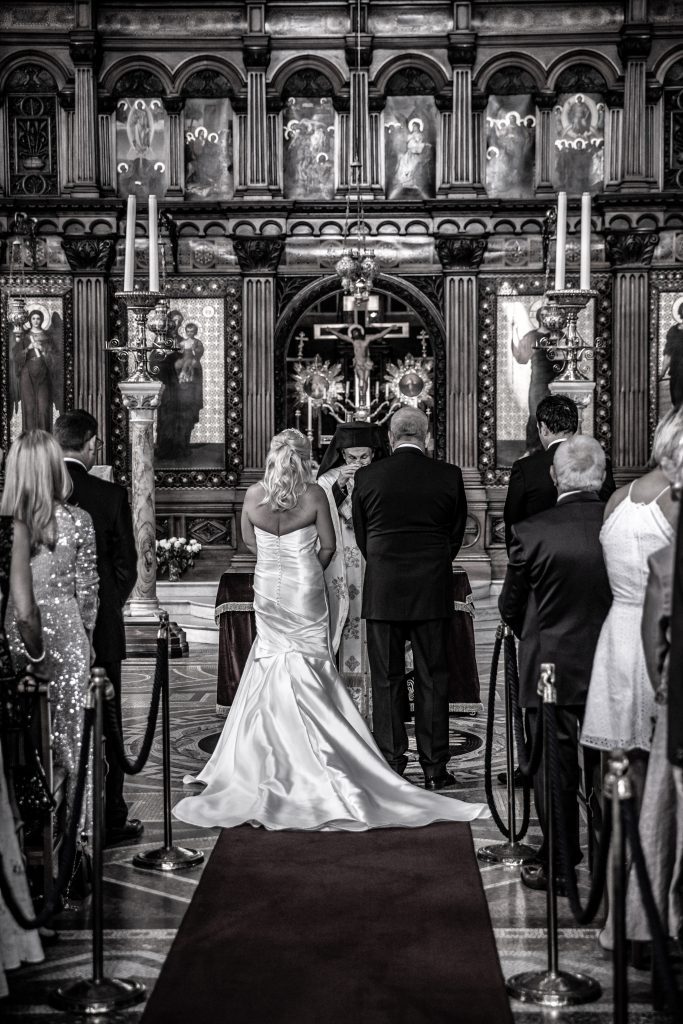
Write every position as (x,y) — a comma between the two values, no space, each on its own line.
(87,582)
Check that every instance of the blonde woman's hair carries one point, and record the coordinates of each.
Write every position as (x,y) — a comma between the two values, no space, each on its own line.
(288,470)
(35,480)
(668,436)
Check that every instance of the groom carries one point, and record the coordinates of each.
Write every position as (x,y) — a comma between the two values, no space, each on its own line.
(409,518)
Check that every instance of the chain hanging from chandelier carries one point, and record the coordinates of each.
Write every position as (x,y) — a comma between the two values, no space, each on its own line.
(358,265)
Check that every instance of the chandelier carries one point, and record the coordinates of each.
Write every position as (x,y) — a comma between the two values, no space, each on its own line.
(358,265)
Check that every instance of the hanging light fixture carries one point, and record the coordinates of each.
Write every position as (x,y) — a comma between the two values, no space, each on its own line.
(17,314)
(358,265)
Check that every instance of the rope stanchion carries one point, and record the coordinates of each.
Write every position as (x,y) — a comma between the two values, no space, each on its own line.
(513,852)
(167,857)
(551,987)
(69,849)
(98,994)
(112,721)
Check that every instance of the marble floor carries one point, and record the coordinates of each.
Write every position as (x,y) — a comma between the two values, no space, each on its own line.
(143,909)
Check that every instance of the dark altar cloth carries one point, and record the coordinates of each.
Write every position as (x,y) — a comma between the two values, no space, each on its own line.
(234,614)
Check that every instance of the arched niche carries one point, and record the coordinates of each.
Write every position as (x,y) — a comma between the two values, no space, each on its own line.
(578,130)
(319,303)
(411,123)
(673,125)
(309,127)
(208,133)
(142,133)
(510,125)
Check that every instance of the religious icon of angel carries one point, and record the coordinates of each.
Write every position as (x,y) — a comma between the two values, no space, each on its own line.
(36,368)
(409,146)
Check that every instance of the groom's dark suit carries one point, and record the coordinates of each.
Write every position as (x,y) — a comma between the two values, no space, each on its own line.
(409,519)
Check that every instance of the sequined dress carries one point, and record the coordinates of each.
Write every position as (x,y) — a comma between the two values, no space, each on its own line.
(65,586)
(16,945)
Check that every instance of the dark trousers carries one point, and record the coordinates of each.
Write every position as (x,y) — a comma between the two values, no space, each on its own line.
(386,653)
(116,808)
(569,722)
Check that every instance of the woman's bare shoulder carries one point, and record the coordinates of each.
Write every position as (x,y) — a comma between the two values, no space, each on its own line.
(254,494)
(614,500)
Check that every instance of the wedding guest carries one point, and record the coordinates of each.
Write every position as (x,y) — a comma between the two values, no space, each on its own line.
(353,445)
(17,946)
(63,566)
(555,557)
(107,505)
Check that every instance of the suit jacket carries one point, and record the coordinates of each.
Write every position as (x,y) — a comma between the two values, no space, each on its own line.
(556,557)
(108,507)
(675,691)
(409,517)
(531,488)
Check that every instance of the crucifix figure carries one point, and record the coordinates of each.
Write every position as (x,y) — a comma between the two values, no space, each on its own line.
(360,338)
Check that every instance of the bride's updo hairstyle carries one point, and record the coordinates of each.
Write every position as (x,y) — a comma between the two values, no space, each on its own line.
(288,470)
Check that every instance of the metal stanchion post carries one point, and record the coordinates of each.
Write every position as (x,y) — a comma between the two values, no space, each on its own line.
(167,857)
(618,788)
(509,853)
(98,995)
(551,987)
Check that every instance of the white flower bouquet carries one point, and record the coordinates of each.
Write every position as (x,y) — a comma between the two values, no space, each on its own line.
(176,554)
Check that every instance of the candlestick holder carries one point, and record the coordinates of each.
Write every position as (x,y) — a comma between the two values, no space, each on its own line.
(563,343)
(140,304)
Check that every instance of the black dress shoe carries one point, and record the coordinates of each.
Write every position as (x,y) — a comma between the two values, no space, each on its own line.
(518,778)
(443,781)
(535,876)
(131,829)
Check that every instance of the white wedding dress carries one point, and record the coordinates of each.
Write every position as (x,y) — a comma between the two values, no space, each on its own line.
(294,752)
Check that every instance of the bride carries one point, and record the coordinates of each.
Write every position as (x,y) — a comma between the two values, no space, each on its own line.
(294,752)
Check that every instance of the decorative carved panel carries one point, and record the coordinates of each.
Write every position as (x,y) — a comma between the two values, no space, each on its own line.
(260,253)
(94,254)
(673,126)
(32,131)
(208,84)
(309,83)
(630,247)
(410,81)
(510,81)
(139,82)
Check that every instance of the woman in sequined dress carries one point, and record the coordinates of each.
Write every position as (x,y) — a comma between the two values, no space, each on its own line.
(65,584)
(16,945)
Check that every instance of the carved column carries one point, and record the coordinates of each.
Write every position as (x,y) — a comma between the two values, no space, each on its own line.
(275,155)
(358,59)
(256,52)
(67,103)
(342,106)
(106,125)
(444,142)
(634,48)
(479,104)
(83,49)
(258,259)
(630,253)
(376,102)
(174,105)
(240,144)
(545,101)
(141,401)
(460,257)
(614,122)
(653,130)
(462,48)
(90,260)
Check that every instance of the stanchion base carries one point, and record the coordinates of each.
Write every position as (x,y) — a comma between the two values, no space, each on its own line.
(171,858)
(509,854)
(92,997)
(553,988)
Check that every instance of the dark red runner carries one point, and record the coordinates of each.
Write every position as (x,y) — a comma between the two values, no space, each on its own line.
(380,927)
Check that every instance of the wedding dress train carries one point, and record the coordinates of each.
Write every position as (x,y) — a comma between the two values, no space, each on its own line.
(294,752)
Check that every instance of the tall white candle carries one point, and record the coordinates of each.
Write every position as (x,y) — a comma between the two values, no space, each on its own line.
(129,263)
(153,246)
(585,270)
(310,417)
(356,392)
(560,249)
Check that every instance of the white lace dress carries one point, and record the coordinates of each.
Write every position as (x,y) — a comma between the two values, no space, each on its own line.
(620,708)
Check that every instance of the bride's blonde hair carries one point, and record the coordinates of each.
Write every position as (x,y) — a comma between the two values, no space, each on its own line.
(288,470)
(36,479)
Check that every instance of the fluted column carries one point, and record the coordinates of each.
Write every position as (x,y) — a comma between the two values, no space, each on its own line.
(342,106)
(258,259)
(444,142)
(462,48)
(460,257)
(358,59)
(376,103)
(256,52)
(67,104)
(106,129)
(90,260)
(630,253)
(479,103)
(275,155)
(614,122)
(174,105)
(545,101)
(83,50)
(240,144)
(634,48)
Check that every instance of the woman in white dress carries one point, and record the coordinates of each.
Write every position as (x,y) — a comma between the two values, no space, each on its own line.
(294,752)
(620,707)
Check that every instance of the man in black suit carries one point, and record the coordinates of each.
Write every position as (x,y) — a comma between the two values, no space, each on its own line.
(409,517)
(531,488)
(107,505)
(556,559)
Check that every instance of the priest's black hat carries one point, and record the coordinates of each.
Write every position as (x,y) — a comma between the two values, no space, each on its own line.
(354,435)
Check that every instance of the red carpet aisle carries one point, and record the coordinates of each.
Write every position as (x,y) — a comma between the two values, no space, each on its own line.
(381,927)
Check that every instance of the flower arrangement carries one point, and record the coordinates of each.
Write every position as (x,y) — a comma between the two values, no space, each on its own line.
(176,554)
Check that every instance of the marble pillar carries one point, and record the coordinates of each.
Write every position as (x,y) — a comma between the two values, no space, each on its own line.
(84,53)
(174,105)
(634,48)
(258,259)
(141,401)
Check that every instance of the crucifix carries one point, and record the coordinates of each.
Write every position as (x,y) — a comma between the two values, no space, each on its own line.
(360,337)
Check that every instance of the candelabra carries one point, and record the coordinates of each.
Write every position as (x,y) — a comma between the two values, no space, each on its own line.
(150,314)
(563,344)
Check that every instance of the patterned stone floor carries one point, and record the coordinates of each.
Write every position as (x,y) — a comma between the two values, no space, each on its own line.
(143,909)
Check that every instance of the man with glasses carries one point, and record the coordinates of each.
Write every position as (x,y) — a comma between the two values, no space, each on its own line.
(107,504)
